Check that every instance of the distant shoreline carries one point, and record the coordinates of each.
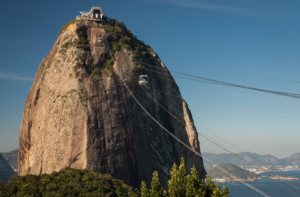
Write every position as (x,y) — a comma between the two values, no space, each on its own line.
(253,180)
(235,180)
(258,172)
(283,178)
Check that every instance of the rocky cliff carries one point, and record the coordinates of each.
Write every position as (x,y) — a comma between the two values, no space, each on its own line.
(79,114)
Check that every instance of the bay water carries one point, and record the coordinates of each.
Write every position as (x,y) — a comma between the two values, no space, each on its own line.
(272,187)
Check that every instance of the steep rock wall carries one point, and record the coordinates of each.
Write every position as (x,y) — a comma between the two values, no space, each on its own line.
(74,116)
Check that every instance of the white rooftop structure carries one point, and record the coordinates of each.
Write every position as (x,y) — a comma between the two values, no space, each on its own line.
(94,14)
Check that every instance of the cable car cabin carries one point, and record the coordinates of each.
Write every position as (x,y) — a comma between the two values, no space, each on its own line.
(143,79)
(100,40)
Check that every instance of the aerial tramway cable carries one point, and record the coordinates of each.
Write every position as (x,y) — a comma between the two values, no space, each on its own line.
(236,108)
(236,72)
(280,184)
(174,135)
(214,76)
(212,81)
(216,105)
(250,97)
(232,94)
(222,146)
(223,78)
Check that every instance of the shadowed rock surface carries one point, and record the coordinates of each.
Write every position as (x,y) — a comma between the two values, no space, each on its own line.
(79,114)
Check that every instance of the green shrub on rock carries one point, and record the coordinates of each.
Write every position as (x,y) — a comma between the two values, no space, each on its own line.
(67,25)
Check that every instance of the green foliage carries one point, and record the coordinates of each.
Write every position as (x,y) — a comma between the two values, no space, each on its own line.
(136,70)
(122,37)
(115,48)
(109,66)
(67,25)
(82,41)
(233,169)
(67,182)
(183,184)
(128,41)
(144,189)
(157,188)
(97,72)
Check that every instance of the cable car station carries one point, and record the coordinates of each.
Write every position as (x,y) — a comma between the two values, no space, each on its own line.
(96,14)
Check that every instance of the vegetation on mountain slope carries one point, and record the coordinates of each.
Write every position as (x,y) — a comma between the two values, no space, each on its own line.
(67,182)
(67,25)
(74,182)
(216,173)
(269,160)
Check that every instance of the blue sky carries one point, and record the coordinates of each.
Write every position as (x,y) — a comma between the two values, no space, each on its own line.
(196,37)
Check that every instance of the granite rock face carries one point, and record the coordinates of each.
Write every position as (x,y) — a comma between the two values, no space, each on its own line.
(79,113)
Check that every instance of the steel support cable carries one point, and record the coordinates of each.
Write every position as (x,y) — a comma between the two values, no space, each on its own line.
(288,94)
(237,72)
(206,138)
(231,84)
(182,123)
(174,109)
(284,187)
(225,148)
(250,88)
(228,79)
(235,94)
(237,80)
(217,76)
(243,109)
(262,193)
(216,143)
(219,137)
(243,96)
(223,77)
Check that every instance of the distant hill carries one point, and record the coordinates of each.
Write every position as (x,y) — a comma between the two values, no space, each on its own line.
(291,160)
(267,159)
(5,170)
(216,173)
(12,158)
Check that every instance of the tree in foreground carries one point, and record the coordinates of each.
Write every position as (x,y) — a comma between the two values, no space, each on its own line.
(66,182)
(183,184)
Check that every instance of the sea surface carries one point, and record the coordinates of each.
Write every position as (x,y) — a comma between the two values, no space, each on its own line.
(271,187)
